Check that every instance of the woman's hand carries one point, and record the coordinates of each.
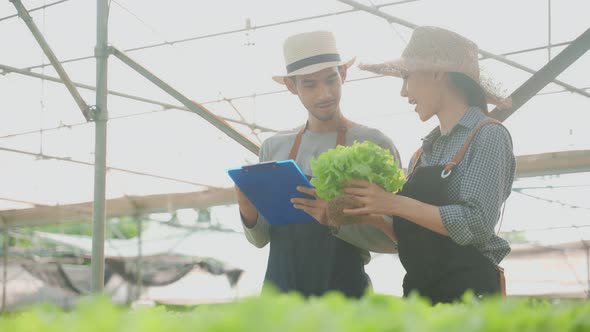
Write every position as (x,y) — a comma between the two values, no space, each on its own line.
(374,199)
(377,201)
(314,207)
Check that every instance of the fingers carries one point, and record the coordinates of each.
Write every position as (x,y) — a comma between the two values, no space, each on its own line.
(354,191)
(357,211)
(300,206)
(307,209)
(358,183)
(307,202)
(316,212)
(306,190)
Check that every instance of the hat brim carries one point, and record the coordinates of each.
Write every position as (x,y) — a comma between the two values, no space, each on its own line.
(400,67)
(395,67)
(314,68)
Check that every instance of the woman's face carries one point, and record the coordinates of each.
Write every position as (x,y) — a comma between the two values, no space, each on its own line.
(423,89)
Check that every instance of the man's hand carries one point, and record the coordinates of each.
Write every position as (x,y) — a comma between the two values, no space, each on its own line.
(247,209)
(314,207)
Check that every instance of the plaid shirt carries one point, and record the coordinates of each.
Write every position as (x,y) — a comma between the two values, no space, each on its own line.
(478,186)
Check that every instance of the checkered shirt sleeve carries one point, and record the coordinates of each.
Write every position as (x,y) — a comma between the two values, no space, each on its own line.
(486,178)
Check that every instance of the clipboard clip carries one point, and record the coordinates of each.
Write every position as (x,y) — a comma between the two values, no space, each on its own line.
(261,166)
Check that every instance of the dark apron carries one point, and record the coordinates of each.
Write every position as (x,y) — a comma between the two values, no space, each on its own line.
(309,259)
(436,266)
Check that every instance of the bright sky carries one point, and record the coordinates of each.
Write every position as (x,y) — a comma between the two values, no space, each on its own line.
(181,145)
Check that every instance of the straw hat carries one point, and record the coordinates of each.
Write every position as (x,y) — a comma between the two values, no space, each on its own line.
(310,52)
(437,49)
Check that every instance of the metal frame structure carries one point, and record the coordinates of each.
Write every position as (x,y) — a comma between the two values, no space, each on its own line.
(100,148)
(223,33)
(119,207)
(527,166)
(392,19)
(191,105)
(165,106)
(545,75)
(539,79)
(24,14)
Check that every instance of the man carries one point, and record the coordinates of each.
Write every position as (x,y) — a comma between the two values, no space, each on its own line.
(309,257)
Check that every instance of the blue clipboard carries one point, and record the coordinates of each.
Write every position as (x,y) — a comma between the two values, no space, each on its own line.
(270,187)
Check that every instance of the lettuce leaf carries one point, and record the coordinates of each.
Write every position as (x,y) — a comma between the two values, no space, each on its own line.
(365,160)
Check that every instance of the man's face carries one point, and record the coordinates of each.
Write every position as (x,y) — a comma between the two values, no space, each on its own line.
(319,92)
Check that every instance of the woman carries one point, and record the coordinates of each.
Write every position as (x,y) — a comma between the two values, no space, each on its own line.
(444,218)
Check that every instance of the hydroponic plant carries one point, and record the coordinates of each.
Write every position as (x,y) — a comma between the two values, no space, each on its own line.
(362,160)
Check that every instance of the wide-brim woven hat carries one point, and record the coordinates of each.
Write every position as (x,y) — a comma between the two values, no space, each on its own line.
(310,52)
(438,49)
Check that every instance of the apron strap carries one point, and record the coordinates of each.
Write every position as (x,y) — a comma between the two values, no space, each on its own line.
(502,280)
(340,139)
(297,143)
(416,157)
(459,156)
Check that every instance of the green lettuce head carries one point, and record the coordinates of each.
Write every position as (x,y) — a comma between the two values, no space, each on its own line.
(365,160)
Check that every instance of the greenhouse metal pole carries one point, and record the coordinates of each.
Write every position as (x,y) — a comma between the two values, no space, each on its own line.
(218,122)
(575,50)
(8,69)
(26,17)
(587,250)
(139,222)
(101,52)
(407,24)
(4,267)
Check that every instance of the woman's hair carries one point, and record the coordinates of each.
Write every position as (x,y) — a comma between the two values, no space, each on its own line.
(471,90)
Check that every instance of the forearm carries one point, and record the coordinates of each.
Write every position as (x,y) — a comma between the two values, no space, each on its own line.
(255,227)
(248,211)
(249,215)
(259,234)
(425,215)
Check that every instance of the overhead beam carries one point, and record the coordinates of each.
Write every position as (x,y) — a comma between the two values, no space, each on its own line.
(528,249)
(118,207)
(222,33)
(34,9)
(108,168)
(515,64)
(9,69)
(392,19)
(216,121)
(26,17)
(527,166)
(563,162)
(545,75)
(532,49)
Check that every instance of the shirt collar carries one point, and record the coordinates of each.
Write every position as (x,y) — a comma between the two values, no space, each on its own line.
(434,134)
(469,120)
